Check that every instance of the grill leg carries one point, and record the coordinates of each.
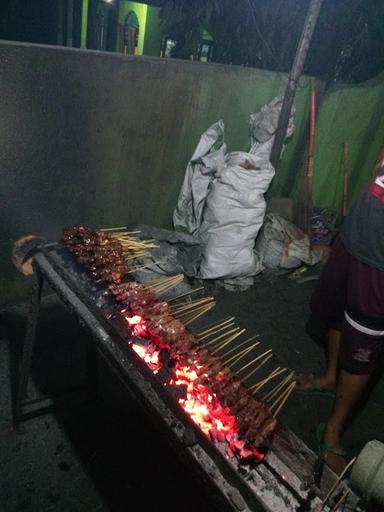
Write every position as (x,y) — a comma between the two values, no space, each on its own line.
(28,346)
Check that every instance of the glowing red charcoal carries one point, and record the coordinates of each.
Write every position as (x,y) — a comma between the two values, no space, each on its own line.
(200,403)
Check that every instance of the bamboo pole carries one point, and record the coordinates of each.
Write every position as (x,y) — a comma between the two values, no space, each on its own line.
(296,71)
(335,485)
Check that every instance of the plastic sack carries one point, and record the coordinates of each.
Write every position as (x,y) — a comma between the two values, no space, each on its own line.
(263,126)
(234,213)
(281,244)
(206,159)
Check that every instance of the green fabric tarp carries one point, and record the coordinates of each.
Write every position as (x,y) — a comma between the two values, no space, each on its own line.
(350,114)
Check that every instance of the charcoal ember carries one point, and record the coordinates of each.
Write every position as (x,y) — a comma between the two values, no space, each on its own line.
(178,392)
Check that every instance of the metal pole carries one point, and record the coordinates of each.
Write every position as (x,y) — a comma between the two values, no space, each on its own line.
(296,72)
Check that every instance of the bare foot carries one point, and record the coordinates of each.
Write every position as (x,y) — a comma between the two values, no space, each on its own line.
(336,461)
(304,382)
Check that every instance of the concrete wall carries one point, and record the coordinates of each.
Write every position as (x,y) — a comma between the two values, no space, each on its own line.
(103,139)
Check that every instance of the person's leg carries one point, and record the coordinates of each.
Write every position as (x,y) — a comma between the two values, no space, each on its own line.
(349,389)
(327,304)
(329,378)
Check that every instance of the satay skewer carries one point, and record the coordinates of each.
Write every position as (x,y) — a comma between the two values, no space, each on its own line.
(215,340)
(114,229)
(195,309)
(256,387)
(258,367)
(237,357)
(199,314)
(271,394)
(141,267)
(214,326)
(229,340)
(257,358)
(239,346)
(283,400)
(190,305)
(216,331)
(343,498)
(337,482)
(186,294)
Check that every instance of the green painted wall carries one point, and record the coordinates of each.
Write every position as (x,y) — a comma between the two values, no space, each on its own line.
(153,34)
(141,13)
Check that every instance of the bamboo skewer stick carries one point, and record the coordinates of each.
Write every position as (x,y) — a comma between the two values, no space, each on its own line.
(214,326)
(186,323)
(283,400)
(240,356)
(343,498)
(220,329)
(257,358)
(282,396)
(228,341)
(239,346)
(215,340)
(193,310)
(159,286)
(265,353)
(263,363)
(223,344)
(269,396)
(178,309)
(185,294)
(114,229)
(256,387)
(140,267)
(339,479)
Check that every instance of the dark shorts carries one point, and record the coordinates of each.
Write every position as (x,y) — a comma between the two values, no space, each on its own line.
(350,298)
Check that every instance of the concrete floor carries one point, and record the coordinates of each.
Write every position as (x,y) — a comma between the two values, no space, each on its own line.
(87,457)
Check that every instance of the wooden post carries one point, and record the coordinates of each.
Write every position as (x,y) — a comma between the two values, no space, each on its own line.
(345,178)
(296,72)
(308,179)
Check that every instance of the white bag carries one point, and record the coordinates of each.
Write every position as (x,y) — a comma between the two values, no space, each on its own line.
(233,215)
(208,156)
(281,244)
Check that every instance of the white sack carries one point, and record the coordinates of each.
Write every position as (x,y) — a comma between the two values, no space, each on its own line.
(281,244)
(208,156)
(234,213)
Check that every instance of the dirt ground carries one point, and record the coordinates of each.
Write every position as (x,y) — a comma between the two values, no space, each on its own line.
(106,456)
